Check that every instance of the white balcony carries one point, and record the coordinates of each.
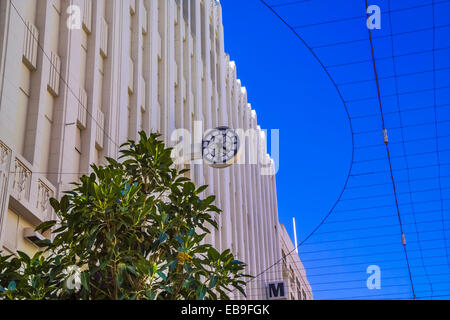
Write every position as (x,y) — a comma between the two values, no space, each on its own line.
(21,180)
(23,188)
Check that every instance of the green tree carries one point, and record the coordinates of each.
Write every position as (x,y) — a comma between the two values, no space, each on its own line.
(133,229)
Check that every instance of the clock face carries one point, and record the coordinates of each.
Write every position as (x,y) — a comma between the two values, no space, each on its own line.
(220,147)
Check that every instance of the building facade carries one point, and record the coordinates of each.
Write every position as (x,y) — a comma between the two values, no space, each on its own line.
(80,77)
(293,271)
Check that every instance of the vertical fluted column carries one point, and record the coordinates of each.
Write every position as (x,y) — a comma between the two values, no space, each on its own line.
(136,55)
(65,108)
(257,212)
(208,113)
(94,84)
(268,239)
(198,169)
(153,46)
(263,213)
(36,149)
(224,120)
(239,223)
(267,203)
(179,45)
(112,80)
(274,206)
(171,70)
(248,190)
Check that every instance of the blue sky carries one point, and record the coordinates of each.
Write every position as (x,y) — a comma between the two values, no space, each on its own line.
(290,91)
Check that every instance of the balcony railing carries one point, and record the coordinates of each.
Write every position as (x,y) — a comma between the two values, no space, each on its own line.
(22,181)
(27,190)
(44,193)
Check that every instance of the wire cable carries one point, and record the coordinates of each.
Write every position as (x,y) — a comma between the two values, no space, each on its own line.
(364,16)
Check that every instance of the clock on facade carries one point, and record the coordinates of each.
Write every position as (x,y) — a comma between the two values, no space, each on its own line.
(220,147)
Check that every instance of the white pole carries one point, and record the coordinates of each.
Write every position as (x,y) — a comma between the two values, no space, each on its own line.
(295,236)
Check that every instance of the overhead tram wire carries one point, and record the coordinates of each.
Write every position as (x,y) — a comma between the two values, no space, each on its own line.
(402,156)
(375,253)
(354,17)
(335,272)
(378,218)
(393,76)
(385,226)
(399,142)
(428,107)
(289,3)
(426,212)
(396,296)
(335,241)
(384,287)
(321,276)
(340,241)
(293,287)
(362,186)
(323,271)
(384,253)
(377,196)
(348,42)
(359,174)
(406,54)
(340,231)
(407,126)
(388,157)
(342,43)
(384,278)
(388,206)
(364,238)
(400,94)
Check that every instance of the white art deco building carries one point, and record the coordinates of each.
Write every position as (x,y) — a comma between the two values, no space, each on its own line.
(80,77)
